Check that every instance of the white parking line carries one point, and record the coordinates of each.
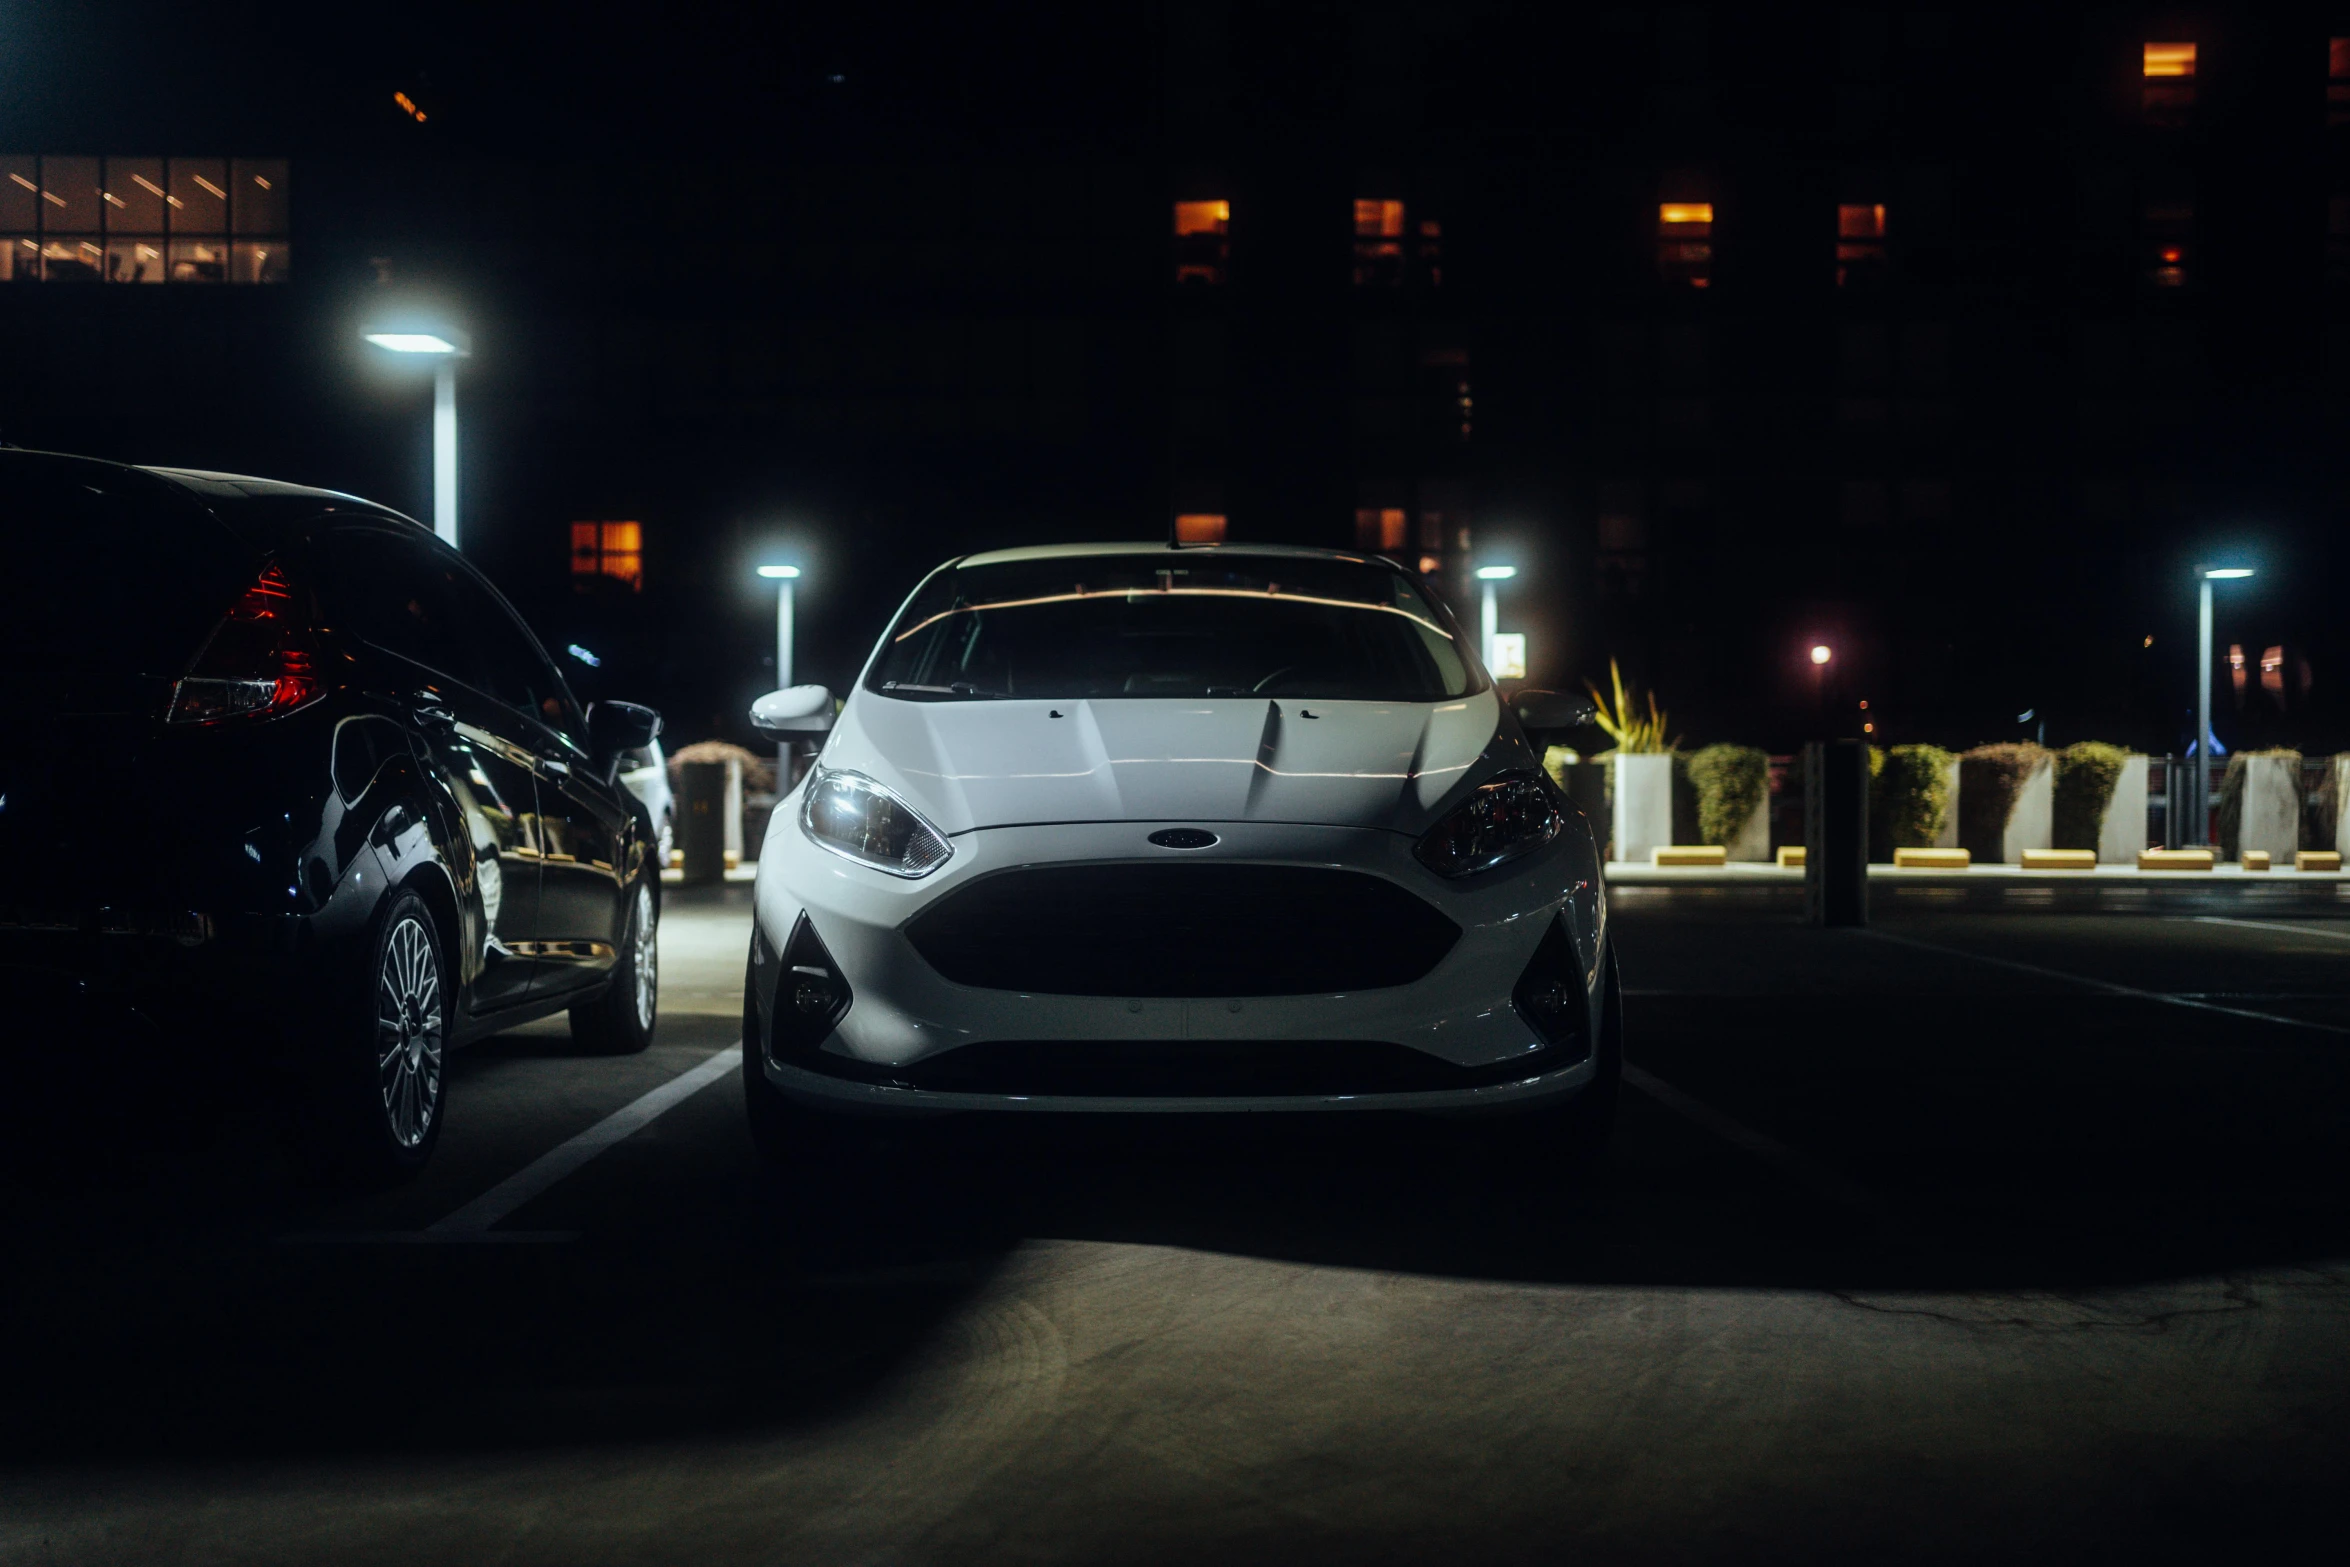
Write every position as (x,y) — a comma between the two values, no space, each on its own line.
(2110,987)
(535,1177)
(2298,930)
(1802,1166)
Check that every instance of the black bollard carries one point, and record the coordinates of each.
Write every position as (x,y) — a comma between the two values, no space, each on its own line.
(701,821)
(1836,832)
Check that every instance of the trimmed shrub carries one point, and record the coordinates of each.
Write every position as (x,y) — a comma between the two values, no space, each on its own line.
(2085,778)
(1909,799)
(1990,780)
(1731,783)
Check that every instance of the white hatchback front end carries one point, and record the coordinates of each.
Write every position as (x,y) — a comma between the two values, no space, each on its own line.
(1173,879)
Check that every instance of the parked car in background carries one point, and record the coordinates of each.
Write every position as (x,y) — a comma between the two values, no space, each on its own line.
(645,773)
(290,794)
(1133,828)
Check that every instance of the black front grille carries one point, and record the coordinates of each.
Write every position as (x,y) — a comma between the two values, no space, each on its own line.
(1189,1068)
(1181,930)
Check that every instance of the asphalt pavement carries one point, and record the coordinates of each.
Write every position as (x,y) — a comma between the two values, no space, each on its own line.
(2009,1228)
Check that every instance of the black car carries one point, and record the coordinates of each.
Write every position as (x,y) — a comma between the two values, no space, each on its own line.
(288,790)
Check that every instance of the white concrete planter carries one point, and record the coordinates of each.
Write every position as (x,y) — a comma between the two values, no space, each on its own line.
(1644,805)
(2271,816)
(2032,823)
(2123,831)
(2030,820)
(1947,838)
(1752,840)
(2341,773)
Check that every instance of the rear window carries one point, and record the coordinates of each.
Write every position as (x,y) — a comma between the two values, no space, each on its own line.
(1172,625)
(110,574)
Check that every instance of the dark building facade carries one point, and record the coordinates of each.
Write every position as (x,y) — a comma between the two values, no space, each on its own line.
(1948,340)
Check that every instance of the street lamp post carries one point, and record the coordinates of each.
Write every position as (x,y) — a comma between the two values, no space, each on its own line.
(446,348)
(2199,794)
(1490,621)
(784,578)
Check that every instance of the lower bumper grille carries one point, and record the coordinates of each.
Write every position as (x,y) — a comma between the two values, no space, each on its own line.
(1191,1068)
(1182,930)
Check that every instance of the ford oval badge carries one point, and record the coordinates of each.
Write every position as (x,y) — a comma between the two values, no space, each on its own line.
(1184,838)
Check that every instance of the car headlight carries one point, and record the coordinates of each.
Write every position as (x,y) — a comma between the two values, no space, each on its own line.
(1509,816)
(864,821)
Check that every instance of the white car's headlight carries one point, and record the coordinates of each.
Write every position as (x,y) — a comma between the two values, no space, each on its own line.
(861,820)
(1510,815)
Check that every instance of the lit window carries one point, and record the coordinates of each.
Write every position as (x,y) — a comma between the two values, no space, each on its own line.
(1382,528)
(2168,89)
(142,220)
(608,549)
(1199,527)
(1379,231)
(1685,242)
(2167,228)
(1860,241)
(1203,241)
(2338,81)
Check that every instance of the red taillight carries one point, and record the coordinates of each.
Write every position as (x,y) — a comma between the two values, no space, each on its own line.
(260,661)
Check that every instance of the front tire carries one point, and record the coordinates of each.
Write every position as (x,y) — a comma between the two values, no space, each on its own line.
(619,1020)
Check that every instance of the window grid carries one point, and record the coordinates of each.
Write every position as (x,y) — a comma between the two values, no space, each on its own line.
(142,220)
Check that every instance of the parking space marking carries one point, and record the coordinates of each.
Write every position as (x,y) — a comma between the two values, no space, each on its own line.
(477,1216)
(2298,930)
(2110,987)
(1739,1135)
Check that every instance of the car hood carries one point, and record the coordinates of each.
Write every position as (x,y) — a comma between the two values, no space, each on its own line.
(1220,759)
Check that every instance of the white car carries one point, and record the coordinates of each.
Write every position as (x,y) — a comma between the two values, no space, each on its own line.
(645,773)
(1140,828)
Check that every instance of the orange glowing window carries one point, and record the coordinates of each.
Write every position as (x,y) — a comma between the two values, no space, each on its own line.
(2338,81)
(1199,527)
(1860,221)
(2169,88)
(1379,248)
(1203,245)
(1202,217)
(608,549)
(1384,528)
(1860,241)
(1684,242)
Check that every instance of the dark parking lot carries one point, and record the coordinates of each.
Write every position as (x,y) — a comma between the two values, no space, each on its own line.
(2008,1228)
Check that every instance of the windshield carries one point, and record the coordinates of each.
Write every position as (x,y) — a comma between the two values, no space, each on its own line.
(1163,624)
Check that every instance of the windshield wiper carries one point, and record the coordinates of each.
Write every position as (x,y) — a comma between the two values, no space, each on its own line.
(961,688)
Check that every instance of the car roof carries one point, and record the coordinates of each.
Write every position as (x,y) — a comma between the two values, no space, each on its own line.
(244,486)
(1188,551)
(259,511)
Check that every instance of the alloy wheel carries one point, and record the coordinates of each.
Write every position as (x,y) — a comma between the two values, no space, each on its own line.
(408,1032)
(644,957)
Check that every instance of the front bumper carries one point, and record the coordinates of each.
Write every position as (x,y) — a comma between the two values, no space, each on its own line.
(1456,1020)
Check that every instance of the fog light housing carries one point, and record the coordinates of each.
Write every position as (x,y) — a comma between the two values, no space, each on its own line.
(811,997)
(1551,998)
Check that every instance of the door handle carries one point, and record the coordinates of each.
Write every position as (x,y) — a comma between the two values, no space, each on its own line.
(428,712)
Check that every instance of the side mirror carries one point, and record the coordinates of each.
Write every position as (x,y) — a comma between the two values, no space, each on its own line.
(795,710)
(614,727)
(1548,712)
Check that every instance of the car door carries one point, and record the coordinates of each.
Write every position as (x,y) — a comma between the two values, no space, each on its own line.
(407,597)
(584,822)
